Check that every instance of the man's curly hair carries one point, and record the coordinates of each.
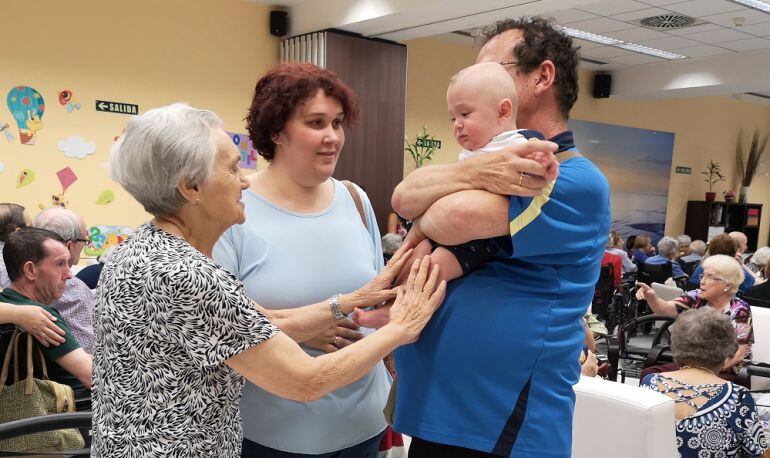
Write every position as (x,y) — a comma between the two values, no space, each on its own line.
(542,41)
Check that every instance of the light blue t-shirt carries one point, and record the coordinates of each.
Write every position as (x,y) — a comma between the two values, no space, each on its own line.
(287,259)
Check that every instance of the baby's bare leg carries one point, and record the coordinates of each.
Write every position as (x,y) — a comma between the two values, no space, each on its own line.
(449,266)
(423,248)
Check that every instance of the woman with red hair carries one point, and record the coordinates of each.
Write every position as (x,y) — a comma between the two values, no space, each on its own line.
(304,241)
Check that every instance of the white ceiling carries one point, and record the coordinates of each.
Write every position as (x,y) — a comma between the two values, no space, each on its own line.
(723,58)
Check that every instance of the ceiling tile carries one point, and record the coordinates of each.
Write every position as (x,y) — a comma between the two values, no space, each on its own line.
(585,44)
(640,14)
(636,59)
(695,29)
(670,43)
(661,2)
(717,36)
(698,8)
(605,52)
(600,25)
(637,34)
(703,51)
(760,30)
(750,17)
(571,15)
(752,44)
(610,7)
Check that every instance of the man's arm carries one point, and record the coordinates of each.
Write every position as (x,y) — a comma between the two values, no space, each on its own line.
(78,363)
(465,216)
(499,173)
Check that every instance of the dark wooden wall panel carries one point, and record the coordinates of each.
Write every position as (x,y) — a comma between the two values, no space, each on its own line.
(373,156)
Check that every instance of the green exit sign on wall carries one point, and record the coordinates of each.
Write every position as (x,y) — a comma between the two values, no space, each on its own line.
(685,170)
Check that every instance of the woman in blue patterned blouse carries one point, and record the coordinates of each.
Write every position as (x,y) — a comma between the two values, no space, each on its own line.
(713,417)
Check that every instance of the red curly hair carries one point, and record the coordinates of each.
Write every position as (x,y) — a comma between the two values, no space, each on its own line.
(285,88)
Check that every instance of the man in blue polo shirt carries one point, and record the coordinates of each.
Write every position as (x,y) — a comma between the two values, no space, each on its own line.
(492,373)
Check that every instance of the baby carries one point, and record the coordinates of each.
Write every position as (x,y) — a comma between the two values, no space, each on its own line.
(482,107)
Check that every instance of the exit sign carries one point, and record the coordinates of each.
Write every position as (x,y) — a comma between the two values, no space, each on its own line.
(428,143)
(685,170)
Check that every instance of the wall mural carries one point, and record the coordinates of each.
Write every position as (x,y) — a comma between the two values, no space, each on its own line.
(637,164)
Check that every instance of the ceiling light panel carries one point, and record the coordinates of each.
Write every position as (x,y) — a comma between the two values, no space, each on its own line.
(627,45)
(756,4)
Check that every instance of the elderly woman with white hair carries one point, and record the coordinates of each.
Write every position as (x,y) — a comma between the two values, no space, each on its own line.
(713,417)
(721,277)
(177,334)
(668,247)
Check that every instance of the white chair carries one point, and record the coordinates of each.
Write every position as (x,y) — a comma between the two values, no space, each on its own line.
(613,420)
(760,351)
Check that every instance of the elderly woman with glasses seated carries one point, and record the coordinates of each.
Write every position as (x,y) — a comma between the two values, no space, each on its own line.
(177,333)
(713,417)
(721,277)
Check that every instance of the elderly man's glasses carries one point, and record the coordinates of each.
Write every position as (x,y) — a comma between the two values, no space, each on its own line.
(508,62)
(86,242)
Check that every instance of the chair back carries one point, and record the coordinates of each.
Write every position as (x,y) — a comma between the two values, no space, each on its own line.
(760,350)
(688,267)
(665,292)
(655,273)
(641,422)
(605,288)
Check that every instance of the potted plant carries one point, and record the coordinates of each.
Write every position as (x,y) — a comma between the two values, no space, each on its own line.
(749,162)
(423,147)
(713,175)
(729,195)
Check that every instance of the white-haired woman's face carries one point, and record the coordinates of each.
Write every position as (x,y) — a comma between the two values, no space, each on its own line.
(713,285)
(310,142)
(220,196)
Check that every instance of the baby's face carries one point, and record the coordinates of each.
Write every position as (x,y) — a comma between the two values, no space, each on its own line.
(474,118)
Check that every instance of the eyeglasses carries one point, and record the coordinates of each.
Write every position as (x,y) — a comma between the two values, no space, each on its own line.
(709,277)
(508,62)
(86,242)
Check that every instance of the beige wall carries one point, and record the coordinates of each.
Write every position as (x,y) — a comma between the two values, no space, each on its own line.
(706,127)
(208,53)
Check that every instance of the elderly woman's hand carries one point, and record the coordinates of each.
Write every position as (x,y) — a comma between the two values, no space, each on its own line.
(418,299)
(644,292)
(380,288)
(40,324)
(341,334)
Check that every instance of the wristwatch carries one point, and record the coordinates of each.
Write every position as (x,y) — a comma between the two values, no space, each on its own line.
(334,305)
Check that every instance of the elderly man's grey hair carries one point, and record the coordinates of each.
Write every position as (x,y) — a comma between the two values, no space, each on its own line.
(160,149)
(762,257)
(668,247)
(684,239)
(391,243)
(703,338)
(726,268)
(698,247)
(65,223)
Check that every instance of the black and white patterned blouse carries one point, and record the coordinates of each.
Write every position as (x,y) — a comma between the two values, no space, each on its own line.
(166,319)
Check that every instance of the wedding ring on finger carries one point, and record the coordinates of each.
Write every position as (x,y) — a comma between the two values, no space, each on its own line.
(336,341)
(521,178)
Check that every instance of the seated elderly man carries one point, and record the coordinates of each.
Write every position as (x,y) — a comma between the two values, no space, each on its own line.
(684,241)
(76,303)
(668,247)
(761,290)
(37,264)
(742,241)
(697,250)
(721,276)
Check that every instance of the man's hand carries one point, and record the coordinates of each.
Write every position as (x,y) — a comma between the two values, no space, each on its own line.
(40,324)
(520,170)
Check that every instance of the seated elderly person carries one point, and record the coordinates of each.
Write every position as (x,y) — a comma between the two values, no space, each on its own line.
(684,242)
(761,291)
(615,246)
(37,263)
(726,245)
(697,250)
(667,251)
(176,333)
(719,283)
(713,417)
(642,249)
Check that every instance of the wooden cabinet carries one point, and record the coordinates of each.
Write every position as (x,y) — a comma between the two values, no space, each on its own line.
(705,219)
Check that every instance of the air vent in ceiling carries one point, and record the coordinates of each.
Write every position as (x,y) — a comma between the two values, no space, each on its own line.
(668,22)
